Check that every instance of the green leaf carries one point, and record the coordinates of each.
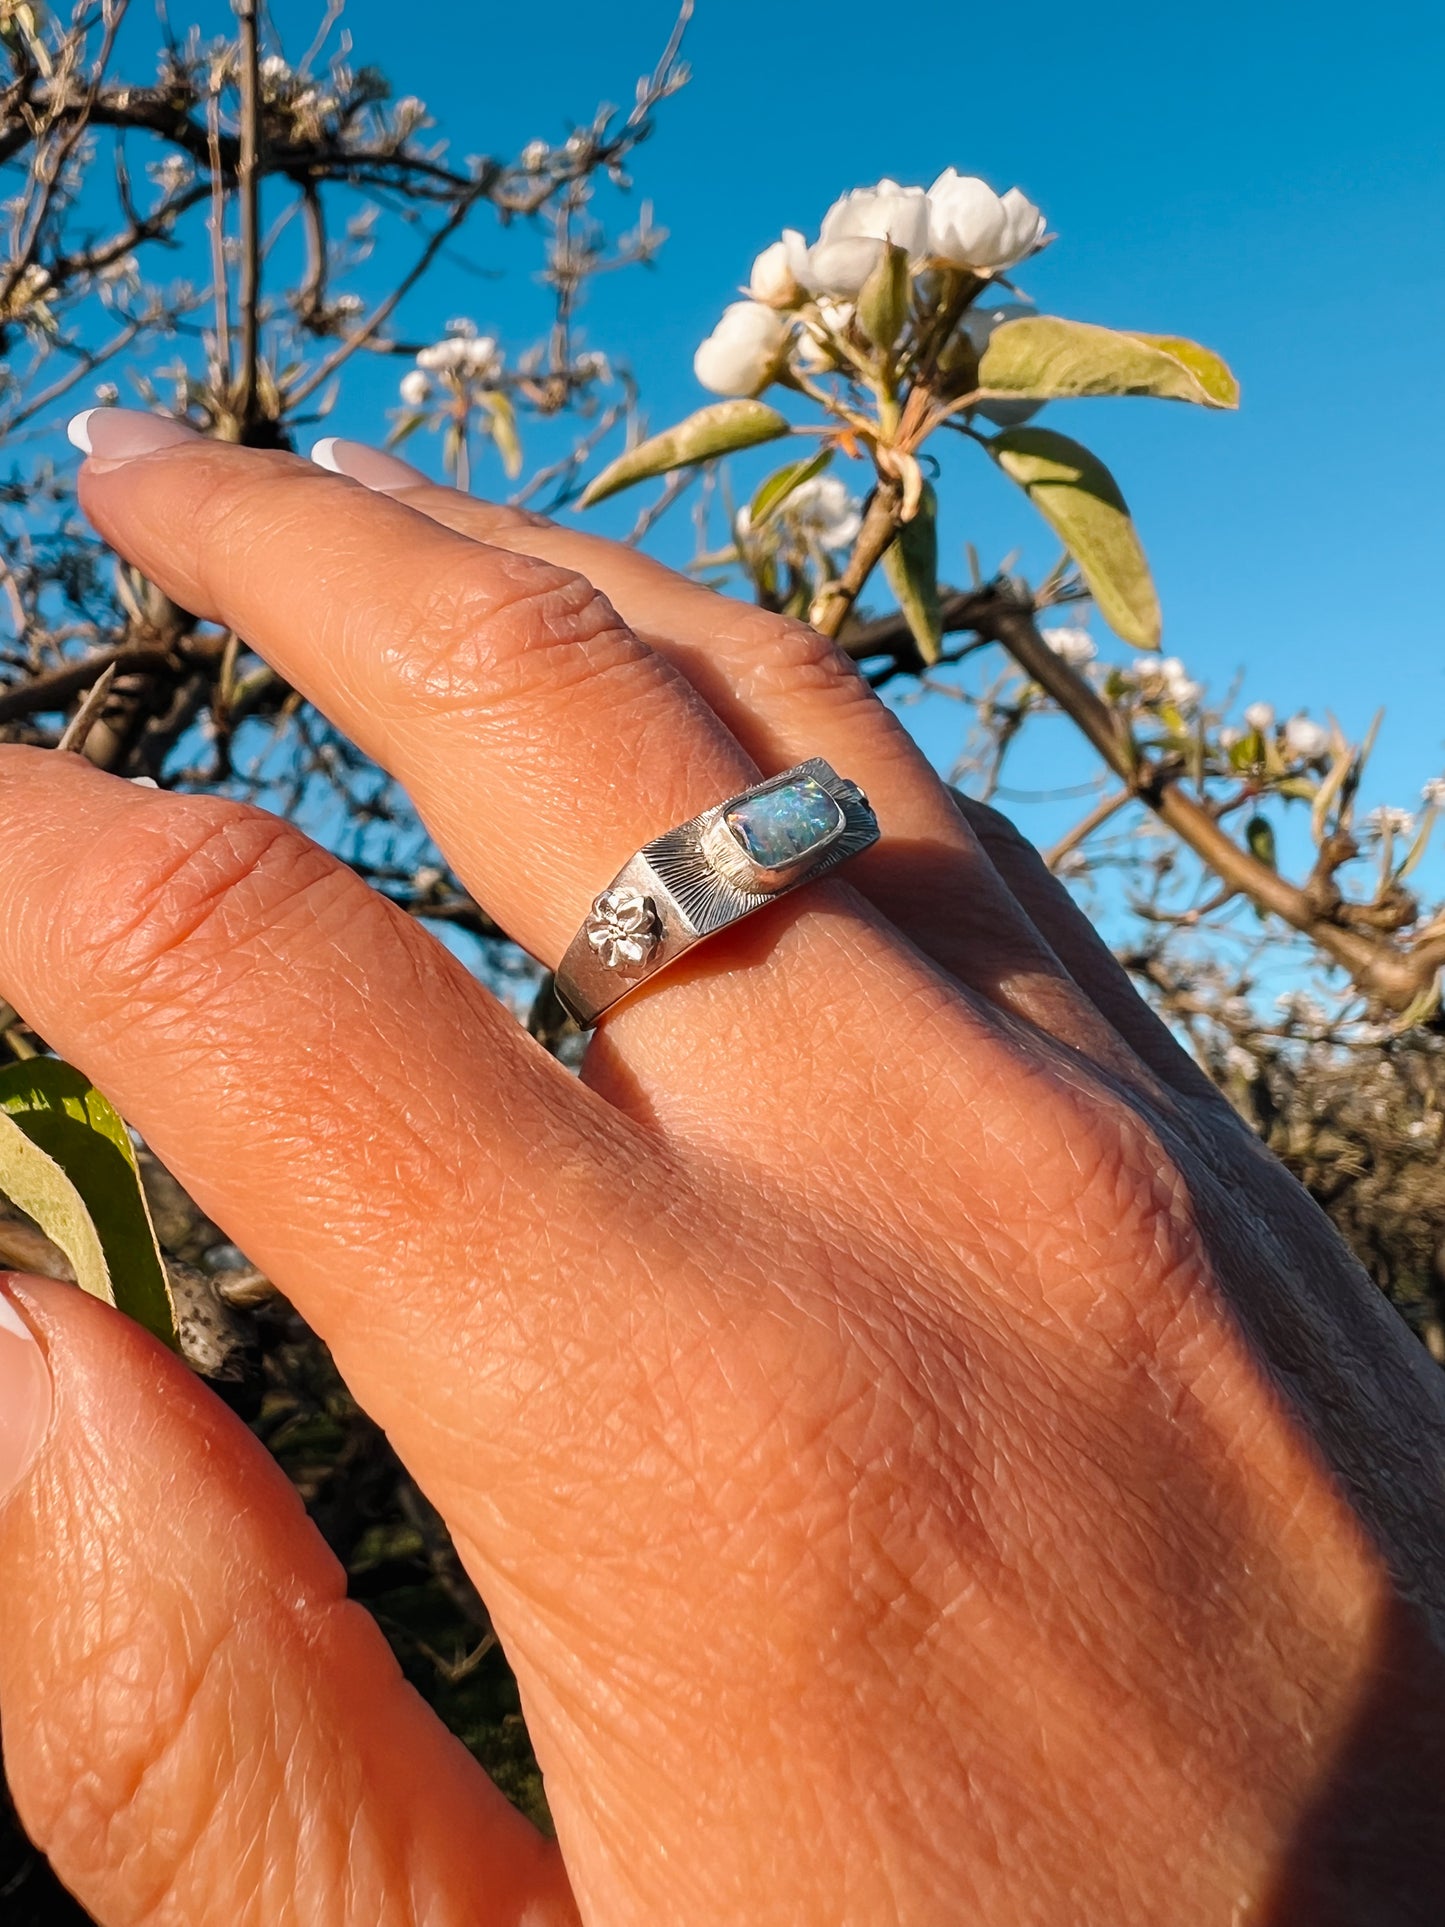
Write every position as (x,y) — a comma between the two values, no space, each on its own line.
(911,564)
(408,425)
(1081,502)
(883,299)
(1259,840)
(780,484)
(718,429)
(1043,358)
(66,1160)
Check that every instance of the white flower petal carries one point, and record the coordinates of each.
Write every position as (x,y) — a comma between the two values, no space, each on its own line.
(741,355)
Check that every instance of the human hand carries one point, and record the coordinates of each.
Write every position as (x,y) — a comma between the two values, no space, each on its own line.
(925,1461)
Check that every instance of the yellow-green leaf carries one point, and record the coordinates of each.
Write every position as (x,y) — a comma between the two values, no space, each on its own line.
(504,434)
(911,564)
(66,1160)
(773,492)
(1081,502)
(1210,370)
(1043,358)
(719,429)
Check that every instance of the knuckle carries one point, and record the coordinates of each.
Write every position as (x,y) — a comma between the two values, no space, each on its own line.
(781,656)
(490,636)
(992,828)
(180,882)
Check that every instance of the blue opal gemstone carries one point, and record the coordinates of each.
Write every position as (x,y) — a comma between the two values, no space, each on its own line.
(782,826)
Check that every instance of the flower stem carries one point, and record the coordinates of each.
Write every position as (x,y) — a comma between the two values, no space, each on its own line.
(832,604)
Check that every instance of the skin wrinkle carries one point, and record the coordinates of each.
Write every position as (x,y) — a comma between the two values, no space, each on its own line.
(480,648)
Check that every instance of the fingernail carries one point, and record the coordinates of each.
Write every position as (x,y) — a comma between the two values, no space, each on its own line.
(120,434)
(369,466)
(25,1396)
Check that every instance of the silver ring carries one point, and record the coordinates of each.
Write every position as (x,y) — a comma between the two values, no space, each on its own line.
(713,871)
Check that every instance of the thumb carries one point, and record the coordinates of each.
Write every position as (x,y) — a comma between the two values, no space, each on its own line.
(200,1730)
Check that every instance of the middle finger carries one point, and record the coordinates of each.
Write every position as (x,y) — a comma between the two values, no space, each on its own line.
(541,741)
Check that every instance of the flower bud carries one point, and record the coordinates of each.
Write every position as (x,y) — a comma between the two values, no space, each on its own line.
(1260,717)
(883,300)
(743,352)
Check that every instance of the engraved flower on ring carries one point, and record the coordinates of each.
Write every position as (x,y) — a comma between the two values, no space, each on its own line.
(623,928)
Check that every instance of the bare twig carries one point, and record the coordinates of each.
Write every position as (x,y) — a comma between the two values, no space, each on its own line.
(73,736)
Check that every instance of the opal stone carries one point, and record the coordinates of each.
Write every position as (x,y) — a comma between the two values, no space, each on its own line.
(785,825)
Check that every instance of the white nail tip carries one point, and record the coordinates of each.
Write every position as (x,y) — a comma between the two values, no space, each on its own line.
(12,1322)
(78,429)
(324,454)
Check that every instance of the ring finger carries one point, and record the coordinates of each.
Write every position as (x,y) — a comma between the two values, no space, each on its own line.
(541,741)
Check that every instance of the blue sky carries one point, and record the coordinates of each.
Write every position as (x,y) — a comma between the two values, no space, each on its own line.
(1269,179)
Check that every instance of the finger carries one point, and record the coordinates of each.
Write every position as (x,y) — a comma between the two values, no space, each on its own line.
(786,693)
(541,742)
(1082,951)
(200,1729)
(327,1081)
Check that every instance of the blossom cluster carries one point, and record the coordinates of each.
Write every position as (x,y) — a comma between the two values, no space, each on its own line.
(1298,736)
(804,296)
(462,356)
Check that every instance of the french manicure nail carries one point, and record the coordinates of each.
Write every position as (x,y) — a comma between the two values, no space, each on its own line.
(120,434)
(369,466)
(25,1396)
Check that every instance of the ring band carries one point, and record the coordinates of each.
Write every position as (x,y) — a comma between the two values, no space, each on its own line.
(707,874)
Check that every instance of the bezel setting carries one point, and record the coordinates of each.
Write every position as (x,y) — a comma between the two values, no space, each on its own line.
(742,868)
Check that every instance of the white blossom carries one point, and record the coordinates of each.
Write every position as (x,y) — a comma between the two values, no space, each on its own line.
(107,394)
(464,355)
(777,275)
(173,173)
(1306,739)
(1071,644)
(855,231)
(1260,717)
(125,267)
(824,509)
(534,156)
(741,355)
(1167,681)
(462,324)
(415,388)
(1242,1062)
(969,226)
(1433,794)
(275,67)
(1386,820)
(348,304)
(1229,736)
(826,323)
